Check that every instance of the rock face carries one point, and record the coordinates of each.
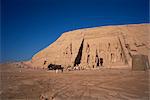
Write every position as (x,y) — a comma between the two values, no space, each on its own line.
(112,45)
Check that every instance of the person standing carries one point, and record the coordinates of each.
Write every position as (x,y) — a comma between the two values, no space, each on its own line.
(101,61)
(97,61)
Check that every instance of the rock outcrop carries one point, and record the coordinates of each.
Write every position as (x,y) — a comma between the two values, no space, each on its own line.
(114,45)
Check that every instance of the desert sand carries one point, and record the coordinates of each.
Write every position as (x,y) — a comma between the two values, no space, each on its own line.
(98,84)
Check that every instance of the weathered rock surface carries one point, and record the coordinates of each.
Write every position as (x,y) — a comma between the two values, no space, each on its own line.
(115,45)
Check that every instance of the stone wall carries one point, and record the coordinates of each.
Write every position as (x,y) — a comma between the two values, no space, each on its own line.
(115,45)
(140,62)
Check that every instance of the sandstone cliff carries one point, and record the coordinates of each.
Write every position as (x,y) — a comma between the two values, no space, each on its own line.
(115,45)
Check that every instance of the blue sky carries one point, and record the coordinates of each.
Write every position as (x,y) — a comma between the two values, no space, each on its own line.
(28,26)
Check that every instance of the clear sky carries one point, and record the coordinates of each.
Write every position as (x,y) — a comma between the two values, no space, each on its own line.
(28,26)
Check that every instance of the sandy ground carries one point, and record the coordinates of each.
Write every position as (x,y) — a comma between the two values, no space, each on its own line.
(104,84)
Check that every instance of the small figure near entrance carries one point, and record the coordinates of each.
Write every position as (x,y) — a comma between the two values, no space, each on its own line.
(44,62)
(101,61)
(97,61)
(121,57)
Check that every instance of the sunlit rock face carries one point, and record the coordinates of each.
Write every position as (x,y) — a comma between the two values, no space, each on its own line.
(114,45)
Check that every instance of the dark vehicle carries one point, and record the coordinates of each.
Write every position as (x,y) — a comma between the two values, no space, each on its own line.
(55,67)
